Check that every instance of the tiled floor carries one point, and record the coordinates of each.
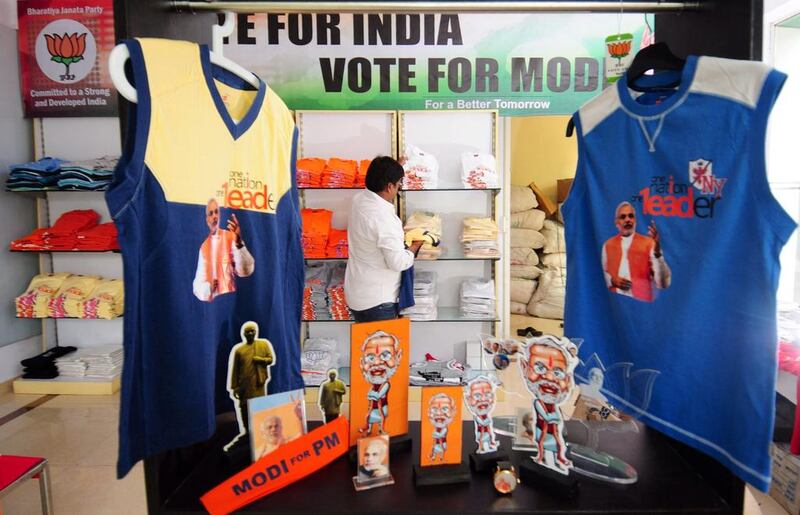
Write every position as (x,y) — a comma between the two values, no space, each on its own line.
(78,435)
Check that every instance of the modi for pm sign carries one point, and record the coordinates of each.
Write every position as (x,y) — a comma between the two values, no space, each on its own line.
(519,64)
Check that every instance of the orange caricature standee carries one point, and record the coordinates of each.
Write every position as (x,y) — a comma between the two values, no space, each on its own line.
(379,378)
(440,424)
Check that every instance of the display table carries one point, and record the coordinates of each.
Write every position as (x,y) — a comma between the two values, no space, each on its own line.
(672,479)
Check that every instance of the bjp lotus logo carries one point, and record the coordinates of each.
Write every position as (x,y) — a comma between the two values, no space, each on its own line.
(619,50)
(619,46)
(66,49)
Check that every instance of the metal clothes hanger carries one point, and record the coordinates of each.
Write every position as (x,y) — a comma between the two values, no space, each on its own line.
(120,54)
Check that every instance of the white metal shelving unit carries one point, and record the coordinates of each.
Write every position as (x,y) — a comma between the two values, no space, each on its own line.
(366,134)
(75,139)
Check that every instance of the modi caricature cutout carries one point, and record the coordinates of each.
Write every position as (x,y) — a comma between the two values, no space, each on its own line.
(379,378)
(481,399)
(440,422)
(547,364)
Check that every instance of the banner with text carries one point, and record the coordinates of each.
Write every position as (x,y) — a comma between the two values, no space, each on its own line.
(290,462)
(520,64)
(63,57)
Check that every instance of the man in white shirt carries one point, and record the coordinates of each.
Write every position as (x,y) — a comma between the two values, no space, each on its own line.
(223,256)
(634,264)
(377,251)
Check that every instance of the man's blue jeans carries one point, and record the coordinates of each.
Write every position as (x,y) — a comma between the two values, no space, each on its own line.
(386,311)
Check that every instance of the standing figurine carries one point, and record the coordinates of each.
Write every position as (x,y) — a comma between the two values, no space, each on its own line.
(380,356)
(248,372)
(479,395)
(441,410)
(547,364)
(330,396)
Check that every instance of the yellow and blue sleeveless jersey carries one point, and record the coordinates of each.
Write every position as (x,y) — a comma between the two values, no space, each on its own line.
(206,205)
(673,238)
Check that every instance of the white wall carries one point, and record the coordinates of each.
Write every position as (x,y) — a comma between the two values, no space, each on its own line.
(18,338)
(783,173)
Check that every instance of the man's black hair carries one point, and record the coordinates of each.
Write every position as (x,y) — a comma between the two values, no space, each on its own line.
(382,171)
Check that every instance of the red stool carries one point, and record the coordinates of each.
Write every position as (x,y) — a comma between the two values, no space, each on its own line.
(14,470)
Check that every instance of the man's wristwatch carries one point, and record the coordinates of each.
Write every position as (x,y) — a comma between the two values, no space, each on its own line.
(505,477)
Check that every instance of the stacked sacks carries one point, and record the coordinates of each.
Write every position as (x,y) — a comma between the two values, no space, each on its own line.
(526,224)
(427,227)
(548,301)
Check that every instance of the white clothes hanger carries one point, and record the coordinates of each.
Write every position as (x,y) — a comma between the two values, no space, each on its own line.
(120,54)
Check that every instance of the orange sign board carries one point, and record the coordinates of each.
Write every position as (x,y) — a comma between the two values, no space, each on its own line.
(379,378)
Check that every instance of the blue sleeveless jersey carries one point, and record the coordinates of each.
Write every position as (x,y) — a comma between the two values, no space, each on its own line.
(673,239)
(189,170)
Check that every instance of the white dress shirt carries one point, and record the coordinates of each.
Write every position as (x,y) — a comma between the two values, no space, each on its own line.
(377,252)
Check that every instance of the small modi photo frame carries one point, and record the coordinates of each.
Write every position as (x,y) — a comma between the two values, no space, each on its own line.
(373,463)
(275,420)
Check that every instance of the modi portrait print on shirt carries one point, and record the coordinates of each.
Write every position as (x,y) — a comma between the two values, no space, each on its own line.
(634,263)
(223,256)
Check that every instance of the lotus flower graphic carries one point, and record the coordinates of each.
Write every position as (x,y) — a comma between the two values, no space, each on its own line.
(66,49)
(619,49)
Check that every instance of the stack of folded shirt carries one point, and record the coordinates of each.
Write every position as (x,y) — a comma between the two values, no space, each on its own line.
(315,299)
(91,175)
(44,366)
(99,237)
(477,299)
(337,306)
(422,170)
(100,362)
(316,228)
(103,362)
(63,235)
(479,171)
(106,301)
(71,296)
(36,176)
(319,355)
(71,365)
(68,301)
(425,298)
(480,238)
(73,231)
(361,175)
(35,301)
(309,172)
(427,227)
(337,244)
(339,173)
